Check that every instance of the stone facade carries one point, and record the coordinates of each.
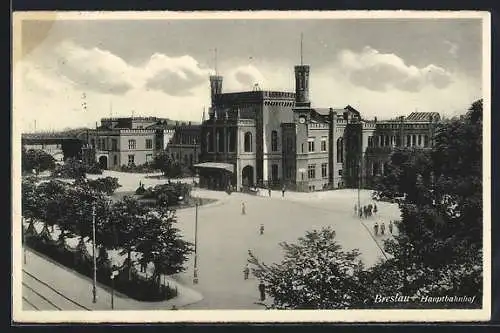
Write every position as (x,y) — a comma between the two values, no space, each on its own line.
(184,145)
(276,139)
(126,141)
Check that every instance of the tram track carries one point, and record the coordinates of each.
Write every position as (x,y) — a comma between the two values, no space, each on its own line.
(41,296)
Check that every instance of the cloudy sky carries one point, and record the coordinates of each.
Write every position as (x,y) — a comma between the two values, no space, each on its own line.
(160,68)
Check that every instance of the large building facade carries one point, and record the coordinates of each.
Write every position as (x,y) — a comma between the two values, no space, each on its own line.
(275,139)
(184,145)
(128,141)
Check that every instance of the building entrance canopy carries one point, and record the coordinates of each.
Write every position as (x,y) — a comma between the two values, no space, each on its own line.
(213,165)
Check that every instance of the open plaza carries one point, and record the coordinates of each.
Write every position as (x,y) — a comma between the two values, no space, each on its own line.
(224,237)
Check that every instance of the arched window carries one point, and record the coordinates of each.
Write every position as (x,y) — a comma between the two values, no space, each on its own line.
(248,142)
(228,140)
(232,140)
(274,141)
(220,141)
(340,150)
(386,168)
(426,141)
(374,168)
(210,142)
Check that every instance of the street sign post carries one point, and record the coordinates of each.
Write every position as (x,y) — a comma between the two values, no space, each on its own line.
(113,274)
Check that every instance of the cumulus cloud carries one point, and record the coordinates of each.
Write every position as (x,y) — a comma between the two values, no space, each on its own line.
(245,77)
(379,72)
(36,78)
(174,76)
(94,69)
(101,71)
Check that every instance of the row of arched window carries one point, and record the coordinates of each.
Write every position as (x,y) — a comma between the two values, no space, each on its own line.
(247,144)
(340,150)
(227,143)
(415,140)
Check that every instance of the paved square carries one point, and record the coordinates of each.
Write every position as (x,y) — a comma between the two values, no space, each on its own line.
(225,235)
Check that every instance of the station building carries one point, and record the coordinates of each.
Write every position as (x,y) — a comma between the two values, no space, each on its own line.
(276,138)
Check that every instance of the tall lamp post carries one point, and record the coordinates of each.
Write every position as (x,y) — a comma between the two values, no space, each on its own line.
(24,240)
(195,274)
(114,273)
(195,160)
(359,184)
(93,255)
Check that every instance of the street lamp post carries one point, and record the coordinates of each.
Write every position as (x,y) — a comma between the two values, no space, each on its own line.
(195,160)
(24,240)
(93,255)
(195,274)
(114,272)
(359,184)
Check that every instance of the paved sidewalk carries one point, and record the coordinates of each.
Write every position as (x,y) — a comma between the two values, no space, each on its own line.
(79,288)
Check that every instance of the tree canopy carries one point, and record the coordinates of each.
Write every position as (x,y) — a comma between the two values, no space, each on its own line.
(36,159)
(314,274)
(437,251)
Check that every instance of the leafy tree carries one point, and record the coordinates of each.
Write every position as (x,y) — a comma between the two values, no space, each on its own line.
(160,243)
(48,195)
(164,162)
(314,274)
(29,202)
(36,159)
(439,247)
(125,219)
(106,185)
(72,168)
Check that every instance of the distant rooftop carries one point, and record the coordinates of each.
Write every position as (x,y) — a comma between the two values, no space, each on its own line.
(423,116)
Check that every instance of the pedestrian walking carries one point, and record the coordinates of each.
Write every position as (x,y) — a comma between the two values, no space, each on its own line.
(283,191)
(382,229)
(374,208)
(390,227)
(261,229)
(375,229)
(243,209)
(262,291)
(246,272)
(355,209)
(370,209)
(365,211)
(360,213)
(269,190)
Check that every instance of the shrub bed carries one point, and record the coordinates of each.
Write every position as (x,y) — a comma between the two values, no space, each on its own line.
(143,168)
(138,287)
(169,194)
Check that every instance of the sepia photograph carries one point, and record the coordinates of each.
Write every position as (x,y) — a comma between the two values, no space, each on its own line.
(179,165)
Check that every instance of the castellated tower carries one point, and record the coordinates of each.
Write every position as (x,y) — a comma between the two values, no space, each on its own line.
(215,87)
(302,86)
(302,81)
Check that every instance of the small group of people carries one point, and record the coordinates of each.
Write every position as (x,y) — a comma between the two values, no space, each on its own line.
(262,286)
(365,211)
(283,189)
(381,229)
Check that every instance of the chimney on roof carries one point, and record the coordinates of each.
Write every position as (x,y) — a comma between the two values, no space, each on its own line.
(176,123)
(189,123)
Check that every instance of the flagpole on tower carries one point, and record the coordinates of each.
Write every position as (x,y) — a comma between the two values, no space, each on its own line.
(301,49)
(215,55)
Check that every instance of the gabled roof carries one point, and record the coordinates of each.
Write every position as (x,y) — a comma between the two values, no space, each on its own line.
(423,116)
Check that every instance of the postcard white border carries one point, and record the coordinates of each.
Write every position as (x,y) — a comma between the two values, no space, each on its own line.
(297,316)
